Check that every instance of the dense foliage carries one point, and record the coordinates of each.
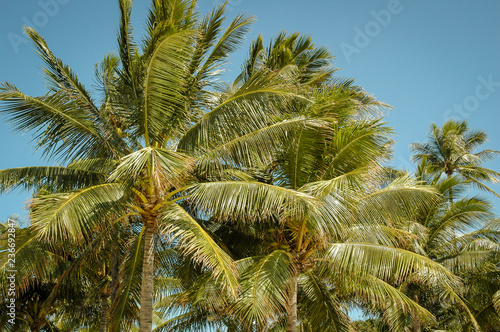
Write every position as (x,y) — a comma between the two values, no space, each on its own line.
(182,202)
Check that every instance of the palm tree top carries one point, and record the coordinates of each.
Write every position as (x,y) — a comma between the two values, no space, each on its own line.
(453,148)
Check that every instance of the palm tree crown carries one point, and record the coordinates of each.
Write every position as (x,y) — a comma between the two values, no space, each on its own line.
(452,149)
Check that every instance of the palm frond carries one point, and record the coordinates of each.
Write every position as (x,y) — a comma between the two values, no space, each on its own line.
(75,214)
(264,289)
(249,201)
(256,148)
(61,129)
(319,308)
(197,243)
(251,106)
(47,177)
(164,107)
(166,168)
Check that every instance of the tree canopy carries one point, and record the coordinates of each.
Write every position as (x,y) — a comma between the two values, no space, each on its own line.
(183,202)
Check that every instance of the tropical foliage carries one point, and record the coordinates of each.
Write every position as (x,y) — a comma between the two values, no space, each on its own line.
(181,202)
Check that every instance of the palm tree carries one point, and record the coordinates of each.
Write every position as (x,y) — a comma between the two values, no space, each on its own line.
(46,295)
(451,149)
(304,269)
(165,126)
(462,237)
(282,286)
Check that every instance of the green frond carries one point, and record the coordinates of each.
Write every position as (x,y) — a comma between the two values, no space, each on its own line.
(47,177)
(496,301)
(127,297)
(348,182)
(320,309)
(250,201)
(75,214)
(189,321)
(461,217)
(166,168)
(254,60)
(165,105)
(167,17)
(197,243)
(60,76)
(61,129)
(264,289)
(256,148)
(232,38)
(399,199)
(125,38)
(358,145)
(378,234)
(386,263)
(390,300)
(252,106)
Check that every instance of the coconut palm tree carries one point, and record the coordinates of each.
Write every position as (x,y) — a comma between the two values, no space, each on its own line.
(45,294)
(346,251)
(451,149)
(164,127)
(462,237)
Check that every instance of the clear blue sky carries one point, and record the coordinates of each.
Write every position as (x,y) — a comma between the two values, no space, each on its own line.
(428,59)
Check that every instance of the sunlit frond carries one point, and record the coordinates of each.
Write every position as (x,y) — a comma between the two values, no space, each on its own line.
(198,244)
(74,214)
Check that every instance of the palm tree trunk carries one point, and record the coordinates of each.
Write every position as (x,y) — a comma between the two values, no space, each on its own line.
(416,325)
(35,328)
(291,321)
(114,276)
(146,318)
(416,321)
(450,192)
(103,326)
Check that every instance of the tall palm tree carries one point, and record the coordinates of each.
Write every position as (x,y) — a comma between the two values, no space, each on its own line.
(164,127)
(303,269)
(461,237)
(452,149)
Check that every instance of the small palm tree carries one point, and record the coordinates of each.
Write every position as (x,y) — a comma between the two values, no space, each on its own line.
(452,149)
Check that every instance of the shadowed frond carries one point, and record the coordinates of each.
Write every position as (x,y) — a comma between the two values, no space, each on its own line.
(264,289)
(196,242)
(320,309)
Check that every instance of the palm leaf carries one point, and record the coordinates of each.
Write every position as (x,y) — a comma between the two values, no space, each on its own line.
(47,177)
(249,201)
(166,168)
(61,129)
(75,214)
(264,289)
(197,243)
(164,107)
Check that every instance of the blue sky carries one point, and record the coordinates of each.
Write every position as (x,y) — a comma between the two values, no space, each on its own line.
(430,60)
